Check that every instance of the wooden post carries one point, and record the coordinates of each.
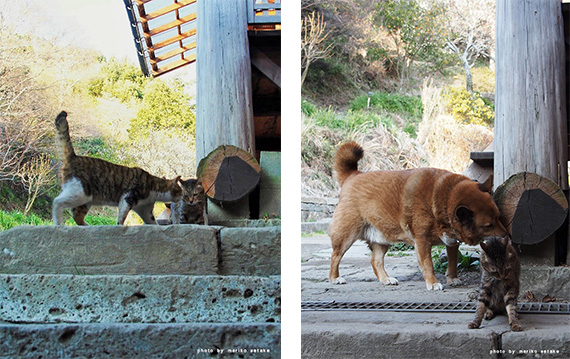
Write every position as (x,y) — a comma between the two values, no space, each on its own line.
(530,97)
(224,112)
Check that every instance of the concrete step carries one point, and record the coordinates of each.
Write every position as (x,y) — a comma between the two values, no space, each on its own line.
(140,340)
(399,335)
(36,298)
(175,249)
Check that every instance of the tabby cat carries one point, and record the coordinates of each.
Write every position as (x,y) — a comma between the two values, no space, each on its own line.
(499,282)
(191,208)
(90,181)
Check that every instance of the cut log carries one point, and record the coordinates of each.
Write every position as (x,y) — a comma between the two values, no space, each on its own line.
(228,173)
(532,207)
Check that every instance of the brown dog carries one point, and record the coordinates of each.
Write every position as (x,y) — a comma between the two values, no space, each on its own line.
(422,207)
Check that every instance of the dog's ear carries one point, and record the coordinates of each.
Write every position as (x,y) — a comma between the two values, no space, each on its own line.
(465,216)
(487,186)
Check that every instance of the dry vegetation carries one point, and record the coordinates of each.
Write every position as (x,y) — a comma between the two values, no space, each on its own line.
(442,141)
(366,47)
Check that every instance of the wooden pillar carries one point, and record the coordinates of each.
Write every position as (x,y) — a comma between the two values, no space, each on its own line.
(530,97)
(224,113)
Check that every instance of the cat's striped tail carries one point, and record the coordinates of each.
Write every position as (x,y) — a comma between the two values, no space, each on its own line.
(64,141)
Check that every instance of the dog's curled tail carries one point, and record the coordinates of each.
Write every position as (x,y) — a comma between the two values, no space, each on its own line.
(64,141)
(346,160)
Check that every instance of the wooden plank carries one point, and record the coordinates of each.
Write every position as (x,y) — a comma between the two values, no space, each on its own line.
(174,65)
(174,52)
(141,2)
(171,25)
(172,40)
(167,9)
(266,66)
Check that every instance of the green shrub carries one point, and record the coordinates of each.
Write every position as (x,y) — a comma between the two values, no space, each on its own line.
(470,108)
(165,107)
(96,147)
(465,262)
(405,105)
(308,108)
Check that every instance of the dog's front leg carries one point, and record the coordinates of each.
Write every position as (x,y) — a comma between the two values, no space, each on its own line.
(451,273)
(423,252)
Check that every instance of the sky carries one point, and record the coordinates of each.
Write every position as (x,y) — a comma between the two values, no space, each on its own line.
(102,25)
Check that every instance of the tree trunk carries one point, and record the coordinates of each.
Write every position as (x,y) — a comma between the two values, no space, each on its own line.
(224,113)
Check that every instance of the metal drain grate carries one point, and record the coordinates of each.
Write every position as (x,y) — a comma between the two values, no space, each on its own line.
(460,307)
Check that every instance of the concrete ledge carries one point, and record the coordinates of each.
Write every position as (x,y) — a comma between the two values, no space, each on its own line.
(181,249)
(34,298)
(250,251)
(139,340)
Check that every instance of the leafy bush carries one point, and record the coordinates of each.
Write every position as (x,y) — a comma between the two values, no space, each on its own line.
(470,108)
(164,107)
(96,147)
(483,79)
(120,80)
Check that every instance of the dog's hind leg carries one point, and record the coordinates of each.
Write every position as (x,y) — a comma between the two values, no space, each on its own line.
(340,247)
(377,261)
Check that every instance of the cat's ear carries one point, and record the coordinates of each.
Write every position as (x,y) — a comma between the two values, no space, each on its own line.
(487,186)
(484,245)
(506,241)
(465,216)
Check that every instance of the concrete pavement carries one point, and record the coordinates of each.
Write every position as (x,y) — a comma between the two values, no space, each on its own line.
(374,334)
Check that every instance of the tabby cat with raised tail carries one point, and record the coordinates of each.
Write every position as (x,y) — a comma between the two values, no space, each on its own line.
(87,181)
(499,282)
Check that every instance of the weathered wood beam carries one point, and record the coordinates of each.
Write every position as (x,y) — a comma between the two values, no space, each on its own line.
(266,66)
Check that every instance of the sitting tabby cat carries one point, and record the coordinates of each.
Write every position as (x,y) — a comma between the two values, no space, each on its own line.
(90,181)
(191,208)
(499,282)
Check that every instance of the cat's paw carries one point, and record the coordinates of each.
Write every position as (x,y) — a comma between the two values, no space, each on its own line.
(391,281)
(489,314)
(473,325)
(454,281)
(516,327)
(339,280)
(434,286)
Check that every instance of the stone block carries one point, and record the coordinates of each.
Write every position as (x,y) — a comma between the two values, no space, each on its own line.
(270,185)
(179,249)
(250,251)
(35,298)
(168,341)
